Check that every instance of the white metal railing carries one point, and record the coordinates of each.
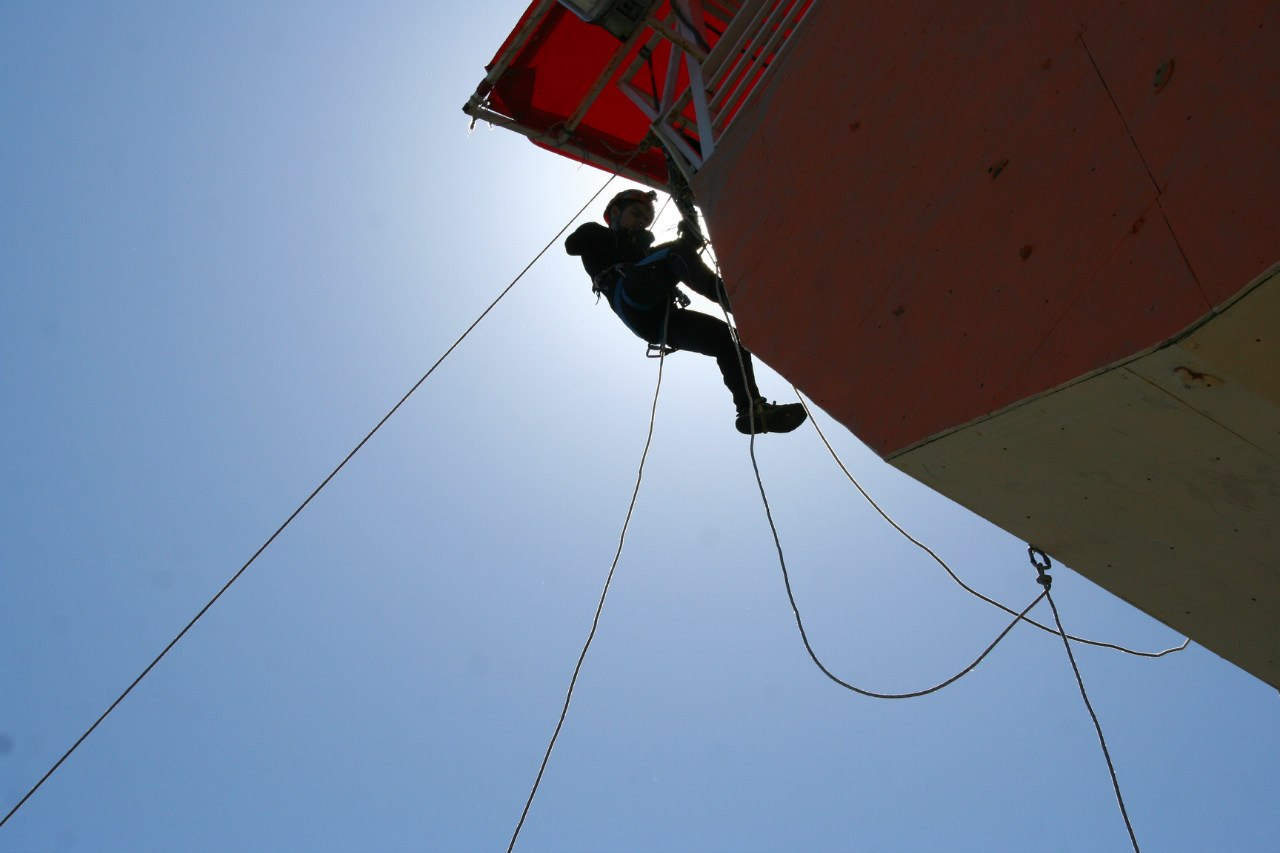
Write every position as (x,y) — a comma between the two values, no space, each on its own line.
(752,35)
(745,52)
(702,88)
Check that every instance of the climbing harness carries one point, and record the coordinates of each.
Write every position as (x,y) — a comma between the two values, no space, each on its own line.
(612,283)
(602,284)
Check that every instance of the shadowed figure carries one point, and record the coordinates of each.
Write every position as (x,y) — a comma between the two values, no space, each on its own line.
(639,280)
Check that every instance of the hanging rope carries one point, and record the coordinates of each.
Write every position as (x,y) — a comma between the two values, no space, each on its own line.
(595,622)
(948,569)
(1042,564)
(305,503)
(795,609)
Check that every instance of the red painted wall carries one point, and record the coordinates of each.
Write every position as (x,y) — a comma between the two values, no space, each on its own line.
(934,210)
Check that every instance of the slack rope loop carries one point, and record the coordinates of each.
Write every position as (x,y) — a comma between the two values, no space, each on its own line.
(726,308)
(595,622)
(948,569)
(305,503)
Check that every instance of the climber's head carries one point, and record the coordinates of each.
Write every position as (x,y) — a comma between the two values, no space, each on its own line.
(630,210)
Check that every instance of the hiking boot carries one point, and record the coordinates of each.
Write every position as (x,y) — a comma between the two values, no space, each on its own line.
(771,417)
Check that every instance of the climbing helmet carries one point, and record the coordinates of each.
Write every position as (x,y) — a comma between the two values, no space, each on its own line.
(620,201)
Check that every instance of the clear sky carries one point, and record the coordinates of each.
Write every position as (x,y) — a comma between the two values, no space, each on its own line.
(232,236)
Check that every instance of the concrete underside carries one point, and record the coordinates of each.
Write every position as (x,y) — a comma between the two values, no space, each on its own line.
(1158,479)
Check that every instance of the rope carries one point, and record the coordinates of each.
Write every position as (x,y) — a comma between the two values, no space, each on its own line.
(301,507)
(871,694)
(795,609)
(948,569)
(595,622)
(1042,564)
(1097,726)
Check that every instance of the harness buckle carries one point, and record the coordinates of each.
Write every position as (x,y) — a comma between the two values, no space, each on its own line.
(606,280)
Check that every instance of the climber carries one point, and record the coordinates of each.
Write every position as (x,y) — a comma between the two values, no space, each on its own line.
(639,280)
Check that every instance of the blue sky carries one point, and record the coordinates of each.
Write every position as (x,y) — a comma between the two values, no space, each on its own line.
(233,235)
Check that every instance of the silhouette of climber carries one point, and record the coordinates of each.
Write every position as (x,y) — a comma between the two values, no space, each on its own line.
(639,280)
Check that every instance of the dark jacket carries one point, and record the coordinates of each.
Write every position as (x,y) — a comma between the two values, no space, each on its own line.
(601,248)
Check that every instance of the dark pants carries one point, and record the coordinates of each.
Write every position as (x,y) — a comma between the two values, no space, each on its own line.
(642,297)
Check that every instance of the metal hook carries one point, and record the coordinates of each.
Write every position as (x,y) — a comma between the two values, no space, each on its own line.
(1042,564)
